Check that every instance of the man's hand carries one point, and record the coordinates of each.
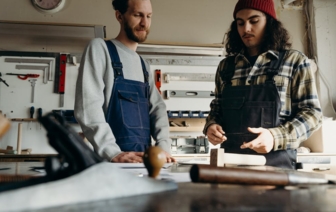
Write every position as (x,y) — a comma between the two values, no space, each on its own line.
(170,159)
(263,143)
(215,134)
(128,157)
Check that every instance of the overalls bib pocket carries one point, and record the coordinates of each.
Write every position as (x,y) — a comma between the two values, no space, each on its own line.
(232,116)
(259,114)
(130,108)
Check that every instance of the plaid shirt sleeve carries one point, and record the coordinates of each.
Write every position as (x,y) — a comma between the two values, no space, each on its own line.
(303,103)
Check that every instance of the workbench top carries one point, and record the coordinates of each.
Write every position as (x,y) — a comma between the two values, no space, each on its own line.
(204,197)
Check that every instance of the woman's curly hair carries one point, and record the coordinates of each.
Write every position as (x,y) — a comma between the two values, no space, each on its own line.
(276,38)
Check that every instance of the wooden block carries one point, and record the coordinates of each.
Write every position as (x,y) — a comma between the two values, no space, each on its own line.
(219,158)
(216,157)
(9,148)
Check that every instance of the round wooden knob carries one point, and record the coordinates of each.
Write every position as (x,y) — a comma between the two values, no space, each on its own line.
(154,158)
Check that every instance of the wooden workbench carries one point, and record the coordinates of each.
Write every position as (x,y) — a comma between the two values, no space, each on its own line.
(207,197)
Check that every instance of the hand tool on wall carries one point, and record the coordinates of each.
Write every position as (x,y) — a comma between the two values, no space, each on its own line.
(32,60)
(158,79)
(31,112)
(4,81)
(31,67)
(189,77)
(62,75)
(188,94)
(39,114)
(32,82)
(246,176)
(24,76)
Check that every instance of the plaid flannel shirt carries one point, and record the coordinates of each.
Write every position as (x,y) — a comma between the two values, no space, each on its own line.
(300,113)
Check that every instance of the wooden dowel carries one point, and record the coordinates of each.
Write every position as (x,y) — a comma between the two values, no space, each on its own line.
(19,137)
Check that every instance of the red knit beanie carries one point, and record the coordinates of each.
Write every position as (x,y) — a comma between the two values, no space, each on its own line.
(266,6)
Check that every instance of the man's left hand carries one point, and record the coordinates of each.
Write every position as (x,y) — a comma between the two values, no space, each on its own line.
(263,143)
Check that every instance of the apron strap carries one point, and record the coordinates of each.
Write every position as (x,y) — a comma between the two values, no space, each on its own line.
(117,65)
(145,73)
(115,60)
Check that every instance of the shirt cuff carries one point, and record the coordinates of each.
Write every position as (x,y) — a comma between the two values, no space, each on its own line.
(280,138)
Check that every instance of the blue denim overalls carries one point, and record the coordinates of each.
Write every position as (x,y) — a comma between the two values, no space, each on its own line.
(252,106)
(128,110)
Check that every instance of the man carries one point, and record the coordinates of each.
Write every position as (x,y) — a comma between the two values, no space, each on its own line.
(119,107)
(266,100)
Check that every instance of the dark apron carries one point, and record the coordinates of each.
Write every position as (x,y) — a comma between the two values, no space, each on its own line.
(128,109)
(252,106)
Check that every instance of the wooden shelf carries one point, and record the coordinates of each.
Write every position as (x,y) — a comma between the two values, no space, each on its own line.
(25,158)
(186,124)
(186,129)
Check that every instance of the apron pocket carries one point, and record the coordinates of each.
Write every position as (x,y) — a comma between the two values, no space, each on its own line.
(130,109)
(259,114)
(232,115)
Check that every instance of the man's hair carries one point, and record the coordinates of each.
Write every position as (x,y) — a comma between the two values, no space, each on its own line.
(120,5)
(276,37)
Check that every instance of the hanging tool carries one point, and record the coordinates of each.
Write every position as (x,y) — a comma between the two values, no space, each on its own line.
(43,68)
(39,112)
(24,76)
(188,94)
(28,60)
(31,115)
(158,79)
(189,77)
(32,82)
(62,74)
(4,81)
(39,115)
(31,112)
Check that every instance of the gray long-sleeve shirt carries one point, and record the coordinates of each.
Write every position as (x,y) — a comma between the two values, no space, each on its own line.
(93,91)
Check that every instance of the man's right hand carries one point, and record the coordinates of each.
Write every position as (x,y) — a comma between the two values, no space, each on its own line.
(128,157)
(215,134)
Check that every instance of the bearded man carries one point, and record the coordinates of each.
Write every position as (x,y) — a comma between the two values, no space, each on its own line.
(117,104)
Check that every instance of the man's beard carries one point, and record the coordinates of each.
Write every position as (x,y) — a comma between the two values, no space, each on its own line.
(132,36)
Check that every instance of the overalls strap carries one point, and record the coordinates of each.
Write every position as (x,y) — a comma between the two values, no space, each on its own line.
(115,60)
(117,65)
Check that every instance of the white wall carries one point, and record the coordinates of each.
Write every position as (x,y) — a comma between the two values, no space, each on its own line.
(325,16)
(195,22)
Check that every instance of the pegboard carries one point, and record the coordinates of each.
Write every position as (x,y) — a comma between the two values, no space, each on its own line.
(16,98)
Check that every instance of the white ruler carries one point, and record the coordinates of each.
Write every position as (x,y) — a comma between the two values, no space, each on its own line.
(189,77)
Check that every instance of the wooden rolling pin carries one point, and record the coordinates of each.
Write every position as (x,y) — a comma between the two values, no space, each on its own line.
(211,174)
